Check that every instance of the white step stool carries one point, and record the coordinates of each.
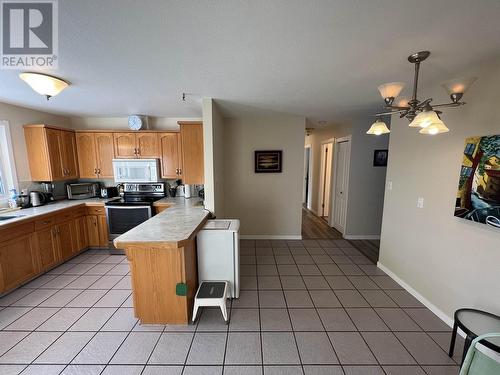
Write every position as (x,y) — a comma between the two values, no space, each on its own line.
(211,293)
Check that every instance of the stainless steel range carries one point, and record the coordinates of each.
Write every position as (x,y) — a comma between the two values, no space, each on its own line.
(135,207)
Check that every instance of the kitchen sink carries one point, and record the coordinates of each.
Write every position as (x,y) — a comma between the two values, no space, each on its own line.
(2,218)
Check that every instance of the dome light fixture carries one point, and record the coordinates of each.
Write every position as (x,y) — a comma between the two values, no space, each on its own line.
(420,113)
(44,84)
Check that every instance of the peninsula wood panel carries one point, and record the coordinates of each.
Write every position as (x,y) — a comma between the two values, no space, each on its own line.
(104,154)
(124,145)
(87,154)
(192,153)
(155,271)
(170,147)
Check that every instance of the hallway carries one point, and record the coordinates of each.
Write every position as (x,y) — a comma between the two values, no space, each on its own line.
(314,227)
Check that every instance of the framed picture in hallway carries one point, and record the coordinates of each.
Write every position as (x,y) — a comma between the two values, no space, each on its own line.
(268,161)
(478,196)
(380,158)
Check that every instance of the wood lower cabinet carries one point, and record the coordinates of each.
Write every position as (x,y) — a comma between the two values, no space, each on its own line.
(18,261)
(193,172)
(47,250)
(35,246)
(93,230)
(95,154)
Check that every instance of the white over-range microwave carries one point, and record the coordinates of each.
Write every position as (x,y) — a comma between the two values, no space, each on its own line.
(136,170)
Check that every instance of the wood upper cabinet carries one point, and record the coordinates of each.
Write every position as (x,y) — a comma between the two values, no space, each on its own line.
(51,153)
(142,145)
(170,150)
(95,154)
(147,145)
(69,155)
(105,154)
(124,144)
(192,152)
(87,156)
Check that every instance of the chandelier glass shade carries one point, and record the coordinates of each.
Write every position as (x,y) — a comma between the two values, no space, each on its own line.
(378,127)
(421,113)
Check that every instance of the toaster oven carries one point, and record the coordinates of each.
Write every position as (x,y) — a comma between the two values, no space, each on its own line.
(83,190)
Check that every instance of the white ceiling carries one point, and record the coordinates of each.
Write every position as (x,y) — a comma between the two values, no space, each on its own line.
(319,59)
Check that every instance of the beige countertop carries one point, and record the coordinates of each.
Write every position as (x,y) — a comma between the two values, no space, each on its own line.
(174,225)
(33,212)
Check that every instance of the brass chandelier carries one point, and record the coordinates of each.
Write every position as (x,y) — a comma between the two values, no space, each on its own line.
(420,113)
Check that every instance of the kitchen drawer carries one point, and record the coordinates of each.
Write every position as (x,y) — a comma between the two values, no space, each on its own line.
(96,210)
(65,215)
(16,231)
(80,211)
(44,223)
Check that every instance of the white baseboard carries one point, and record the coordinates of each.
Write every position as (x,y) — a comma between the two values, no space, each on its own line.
(268,237)
(362,237)
(441,315)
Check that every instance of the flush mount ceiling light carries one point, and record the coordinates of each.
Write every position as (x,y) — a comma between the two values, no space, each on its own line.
(420,113)
(44,84)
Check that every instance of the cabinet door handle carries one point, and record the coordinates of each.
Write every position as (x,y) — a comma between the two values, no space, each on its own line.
(180,171)
(95,170)
(135,151)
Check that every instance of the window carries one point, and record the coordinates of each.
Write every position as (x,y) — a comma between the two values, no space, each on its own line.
(469,149)
(8,178)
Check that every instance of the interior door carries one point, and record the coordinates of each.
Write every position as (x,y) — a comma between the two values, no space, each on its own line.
(104,154)
(68,145)
(86,146)
(124,144)
(147,145)
(54,146)
(170,155)
(341,185)
(325,179)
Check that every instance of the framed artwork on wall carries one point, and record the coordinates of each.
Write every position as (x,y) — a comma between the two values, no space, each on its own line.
(478,195)
(380,158)
(269,161)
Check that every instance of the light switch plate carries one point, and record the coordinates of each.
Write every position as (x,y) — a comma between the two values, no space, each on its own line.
(420,202)
(389,185)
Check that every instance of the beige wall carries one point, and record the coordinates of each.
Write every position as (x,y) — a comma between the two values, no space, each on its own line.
(121,123)
(213,138)
(17,117)
(450,262)
(314,140)
(268,205)
(366,182)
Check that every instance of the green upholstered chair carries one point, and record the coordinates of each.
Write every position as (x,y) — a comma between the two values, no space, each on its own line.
(478,363)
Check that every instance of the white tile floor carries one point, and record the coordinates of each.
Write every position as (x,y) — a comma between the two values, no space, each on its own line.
(306,307)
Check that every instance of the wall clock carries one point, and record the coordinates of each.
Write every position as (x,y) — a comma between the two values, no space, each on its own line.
(135,122)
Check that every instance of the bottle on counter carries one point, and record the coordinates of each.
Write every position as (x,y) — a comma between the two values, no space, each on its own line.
(13,198)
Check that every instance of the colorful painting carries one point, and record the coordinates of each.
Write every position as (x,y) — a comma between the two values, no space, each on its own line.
(268,161)
(478,197)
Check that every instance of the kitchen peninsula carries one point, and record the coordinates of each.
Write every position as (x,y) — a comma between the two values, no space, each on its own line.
(162,257)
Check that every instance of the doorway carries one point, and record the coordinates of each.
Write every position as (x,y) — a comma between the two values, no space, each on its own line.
(325,179)
(341,183)
(306,189)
